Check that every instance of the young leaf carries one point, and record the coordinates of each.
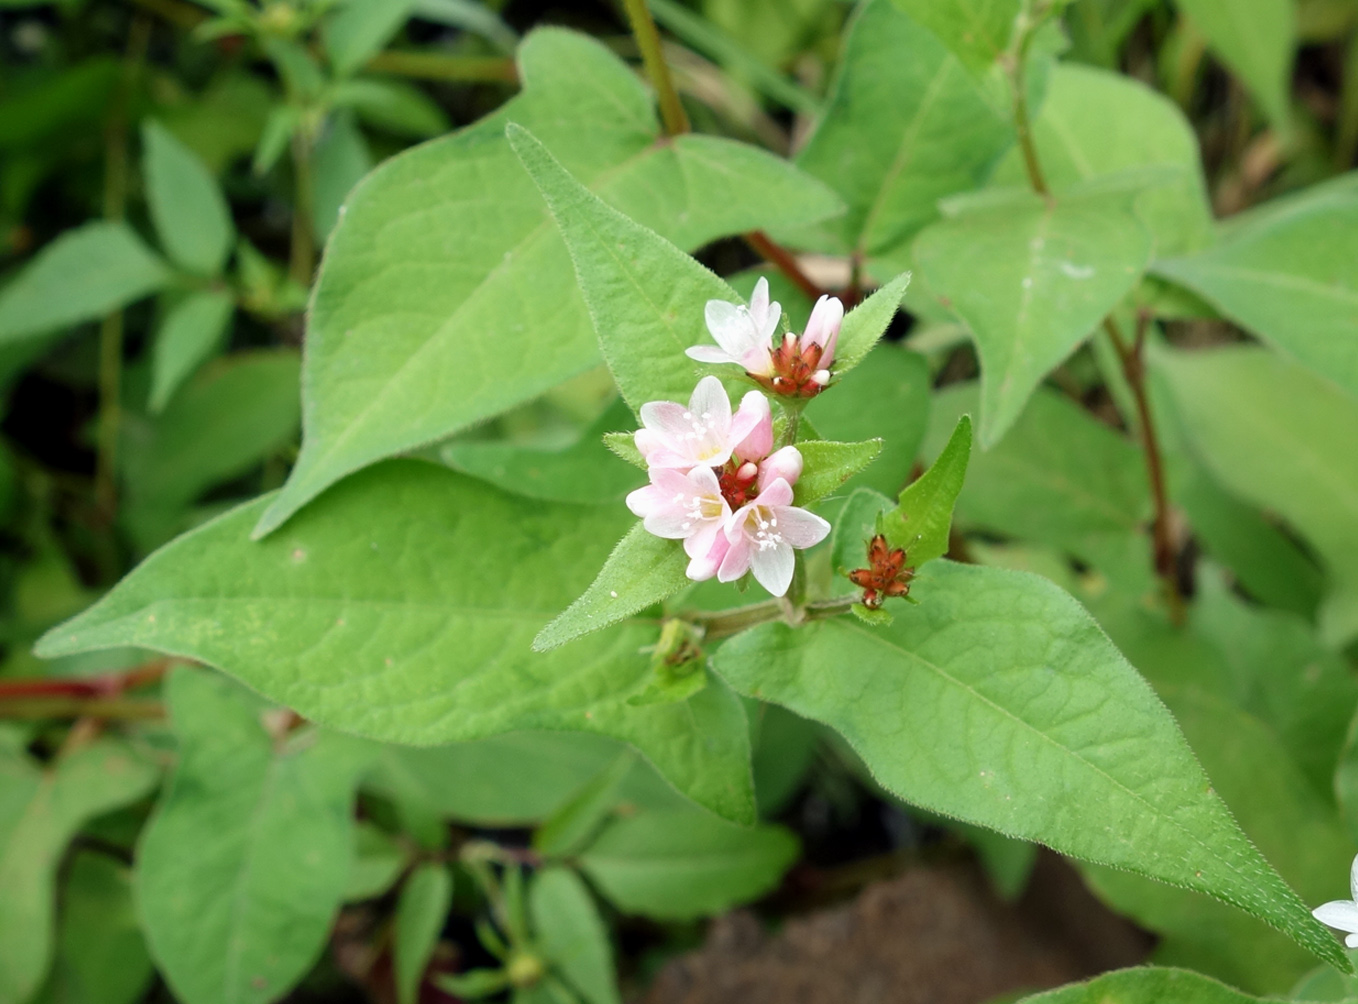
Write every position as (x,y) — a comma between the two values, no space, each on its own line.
(40,811)
(1031,278)
(1147,985)
(829,465)
(417,630)
(420,913)
(401,313)
(572,935)
(642,570)
(645,296)
(682,865)
(1003,704)
(867,322)
(923,519)
(191,331)
(906,125)
(243,867)
(976,31)
(188,209)
(1267,430)
(1291,278)
(84,274)
(1257,42)
(855,527)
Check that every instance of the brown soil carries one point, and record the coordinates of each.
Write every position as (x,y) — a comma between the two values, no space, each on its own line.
(934,935)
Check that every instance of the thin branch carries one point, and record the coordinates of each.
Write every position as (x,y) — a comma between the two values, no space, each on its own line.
(445,67)
(88,687)
(648,41)
(782,259)
(129,709)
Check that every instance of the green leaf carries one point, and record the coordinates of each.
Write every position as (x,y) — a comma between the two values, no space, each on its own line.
(425,899)
(642,570)
(1256,41)
(829,465)
(1095,123)
(40,811)
(84,274)
(976,31)
(866,323)
(188,209)
(1270,432)
(378,862)
(923,519)
(242,869)
(1145,986)
(360,29)
(997,700)
(1031,278)
(572,935)
(191,331)
(339,161)
(393,106)
(416,630)
(887,397)
(231,416)
(623,446)
(645,296)
(401,313)
(571,826)
(681,865)
(101,955)
(1060,477)
(906,125)
(587,471)
(1291,278)
(856,526)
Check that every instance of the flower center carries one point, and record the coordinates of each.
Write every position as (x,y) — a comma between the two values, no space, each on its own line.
(737,482)
(765,524)
(796,369)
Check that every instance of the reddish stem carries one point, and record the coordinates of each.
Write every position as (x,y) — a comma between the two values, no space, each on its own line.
(93,687)
(782,259)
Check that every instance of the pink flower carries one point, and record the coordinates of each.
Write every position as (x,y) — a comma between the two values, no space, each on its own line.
(701,435)
(687,507)
(823,329)
(744,335)
(785,464)
(762,535)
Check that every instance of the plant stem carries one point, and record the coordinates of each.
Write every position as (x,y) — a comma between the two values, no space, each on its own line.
(1022,125)
(107,685)
(442,66)
(729,622)
(66,707)
(782,259)
(1133,367)
(303,260)
(648,41)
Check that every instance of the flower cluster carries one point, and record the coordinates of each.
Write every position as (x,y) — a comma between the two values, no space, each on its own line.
(796,367)
(718,485)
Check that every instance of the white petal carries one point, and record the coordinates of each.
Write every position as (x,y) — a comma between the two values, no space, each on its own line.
(773,568)
(672,524)
(710,397)
(826,317)
(801,528)
(778,493)
(666,419)
(1353,878)
(703,481)
(736,561)
(710,354)
(731,326)
(759,300)
(1340,913)
(1351,940)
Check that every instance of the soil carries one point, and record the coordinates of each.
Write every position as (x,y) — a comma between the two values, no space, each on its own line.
(936,934)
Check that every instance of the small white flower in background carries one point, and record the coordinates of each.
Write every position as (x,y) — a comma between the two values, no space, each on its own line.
(744,335)
(702,434)
(763,534)
(1342,914)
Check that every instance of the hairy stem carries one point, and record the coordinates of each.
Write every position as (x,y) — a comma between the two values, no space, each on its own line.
(783,260)
(648,41)
(729,622)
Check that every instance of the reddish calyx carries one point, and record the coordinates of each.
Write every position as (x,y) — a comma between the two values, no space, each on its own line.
(886,574)
(738,483)
(796,369)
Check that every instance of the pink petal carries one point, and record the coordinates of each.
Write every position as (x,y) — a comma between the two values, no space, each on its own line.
(773,567)
(736,561)
(704,566)
(800,528)
(758,362)
(752,427)
(703,481)
(777,493)
(823,327)
(647,500)
(666,419)
(785,464)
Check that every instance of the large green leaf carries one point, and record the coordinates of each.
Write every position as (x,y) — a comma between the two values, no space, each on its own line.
(1281,437)
(1095,123)
(999,701)
(683,864)
(188,209)
(1145,986)
(1256,40)
(417,630)
(1291,277)
(81,276)
(905,126)
(242,869)
(976,30)
(1031,278)
(40,811)
(414,335)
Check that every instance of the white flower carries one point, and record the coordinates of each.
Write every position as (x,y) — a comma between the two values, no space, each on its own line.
(1342,914)
(762,535)
(744,334)
(701,435)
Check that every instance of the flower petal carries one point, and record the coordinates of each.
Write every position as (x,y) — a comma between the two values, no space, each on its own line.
(731,326)
(736,561)
(1353,878)
(704,566)
(666,419)
(759,300)
(1340,913)
(823,327)
(710,354)
(800,528)
(773,567)
(785,464)
(752,427)
(777,493)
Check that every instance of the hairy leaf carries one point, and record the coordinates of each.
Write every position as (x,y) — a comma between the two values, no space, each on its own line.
(922,520)
(829,465)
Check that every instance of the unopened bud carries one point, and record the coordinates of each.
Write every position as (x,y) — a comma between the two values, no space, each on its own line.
(747,471)
(821,377)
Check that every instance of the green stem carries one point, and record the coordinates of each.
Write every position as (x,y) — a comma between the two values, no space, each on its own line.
(442,66)
(303,260)
(648,41)
(725,623)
